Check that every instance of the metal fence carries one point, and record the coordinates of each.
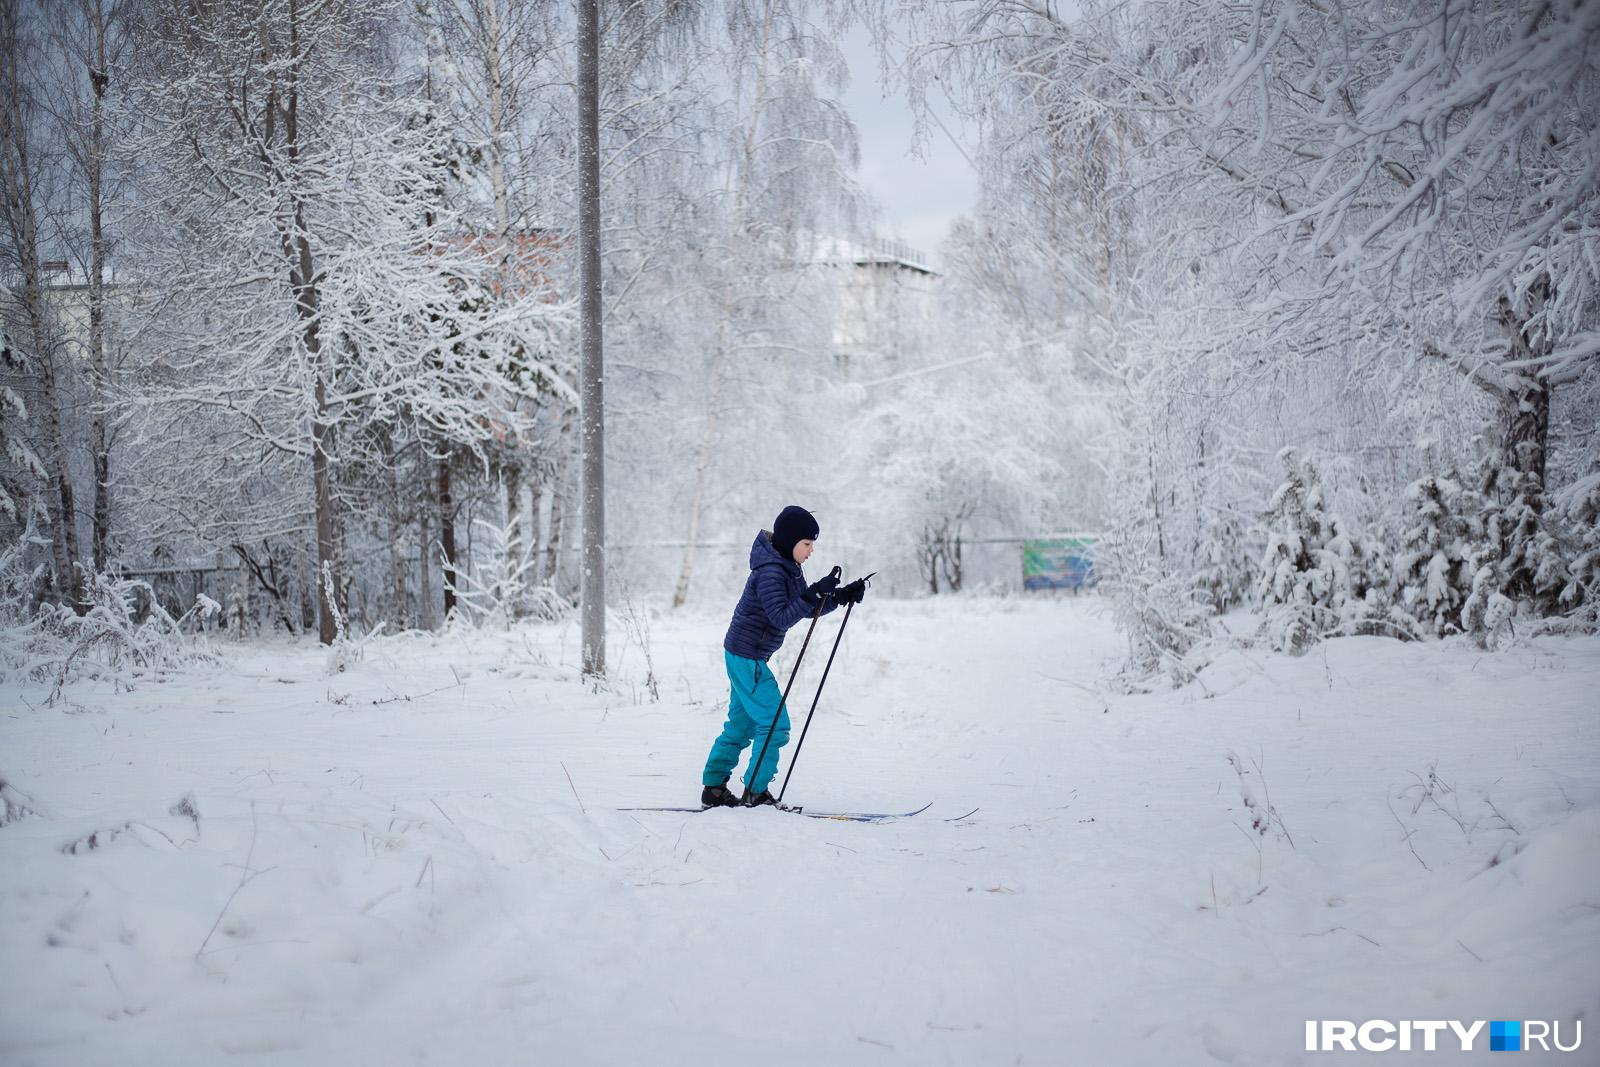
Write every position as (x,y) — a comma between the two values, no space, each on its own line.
(637,572)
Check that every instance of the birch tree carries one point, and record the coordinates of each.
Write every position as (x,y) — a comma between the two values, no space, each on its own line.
(339,286)
(27,155)
(89,37)
(490,69)
(786,189)
(21,473)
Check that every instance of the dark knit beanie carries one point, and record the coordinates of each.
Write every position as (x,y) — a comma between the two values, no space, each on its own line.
(793,525)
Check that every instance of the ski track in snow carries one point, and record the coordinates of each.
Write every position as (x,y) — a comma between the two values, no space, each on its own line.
(424,888)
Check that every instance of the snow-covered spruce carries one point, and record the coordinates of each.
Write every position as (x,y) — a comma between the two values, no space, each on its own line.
(1519,565)
(1317,577)
(1433,568)
(1581,595)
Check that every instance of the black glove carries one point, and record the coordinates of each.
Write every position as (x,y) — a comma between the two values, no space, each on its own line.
(852,593)
(823,586)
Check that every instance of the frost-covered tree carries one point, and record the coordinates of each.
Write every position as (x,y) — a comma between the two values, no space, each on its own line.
(1519,564)
(1581,595)
(29,199)
(1226,568)
(21,473)
(1433,570)
(339,286)
(945,456)
(89,43)
(491,56)
(1441,157)
(1487,612)
(780,178)
(1163,615)
(1316,573)
(1415,177)
(1344,208)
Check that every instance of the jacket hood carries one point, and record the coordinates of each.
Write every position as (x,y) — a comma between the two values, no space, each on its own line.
(763,553)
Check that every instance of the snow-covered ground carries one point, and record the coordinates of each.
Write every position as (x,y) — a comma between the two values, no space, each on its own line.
(420,861)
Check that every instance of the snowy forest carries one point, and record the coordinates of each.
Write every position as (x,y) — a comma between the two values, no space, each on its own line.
(1290,309)
(1298,310)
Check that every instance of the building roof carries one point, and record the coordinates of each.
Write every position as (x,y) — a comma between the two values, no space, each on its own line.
(870,251)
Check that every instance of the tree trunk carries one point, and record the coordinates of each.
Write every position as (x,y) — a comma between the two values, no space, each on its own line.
(100,440)
(447,536)
(220,594)
(303,285)
(424,571)
(698,493)
(490,36)
(268,580)
(703,462)
(516,543)
(396,524)
(18,211)
(1526,415)
(1526,406)
(737,186)
(552,545)
(928,557)
(309,599)
(535,522)
(1155,506)
(592,395)
(322,445)
(60,501)
(245,611)
(952,563)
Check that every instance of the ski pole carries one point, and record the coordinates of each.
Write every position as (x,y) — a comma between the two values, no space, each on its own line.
(815,615)
(848,608)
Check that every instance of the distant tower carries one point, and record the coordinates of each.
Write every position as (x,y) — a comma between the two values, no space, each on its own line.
(886,293)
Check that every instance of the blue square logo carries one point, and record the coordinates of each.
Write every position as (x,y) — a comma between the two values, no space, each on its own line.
(1505,1036)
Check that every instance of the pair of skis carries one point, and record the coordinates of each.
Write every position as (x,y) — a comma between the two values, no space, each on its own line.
(841,816)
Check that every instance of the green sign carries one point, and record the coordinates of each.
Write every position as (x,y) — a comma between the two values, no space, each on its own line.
(1058,562)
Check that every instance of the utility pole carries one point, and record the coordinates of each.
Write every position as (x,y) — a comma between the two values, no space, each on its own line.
(592,591)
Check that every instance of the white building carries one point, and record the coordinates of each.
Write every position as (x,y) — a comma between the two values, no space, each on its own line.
(886,295)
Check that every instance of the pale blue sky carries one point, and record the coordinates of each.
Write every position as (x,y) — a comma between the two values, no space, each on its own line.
(918,196)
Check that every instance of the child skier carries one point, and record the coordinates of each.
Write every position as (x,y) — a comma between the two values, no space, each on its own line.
(775,597)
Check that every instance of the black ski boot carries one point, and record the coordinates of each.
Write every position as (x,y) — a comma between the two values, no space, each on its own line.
(718,796)
(763,797)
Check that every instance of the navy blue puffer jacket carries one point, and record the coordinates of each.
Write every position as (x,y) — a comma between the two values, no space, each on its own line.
(774,599)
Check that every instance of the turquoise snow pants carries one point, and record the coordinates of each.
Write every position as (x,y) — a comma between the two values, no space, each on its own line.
(755,703)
